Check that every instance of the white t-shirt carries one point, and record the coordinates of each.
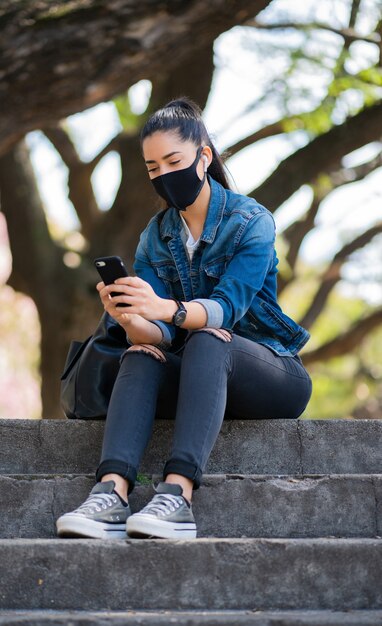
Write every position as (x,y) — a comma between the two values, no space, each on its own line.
(191,243)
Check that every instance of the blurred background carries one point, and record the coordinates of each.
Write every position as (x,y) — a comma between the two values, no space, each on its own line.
(292,96)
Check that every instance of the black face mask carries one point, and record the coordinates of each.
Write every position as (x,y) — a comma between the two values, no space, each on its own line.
(182,187)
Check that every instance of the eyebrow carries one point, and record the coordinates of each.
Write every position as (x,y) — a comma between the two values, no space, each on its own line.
(166,156)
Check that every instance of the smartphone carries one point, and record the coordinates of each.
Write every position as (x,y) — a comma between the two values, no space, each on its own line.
(110,268)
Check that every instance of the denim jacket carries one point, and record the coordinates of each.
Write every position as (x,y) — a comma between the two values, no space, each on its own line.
(232,272)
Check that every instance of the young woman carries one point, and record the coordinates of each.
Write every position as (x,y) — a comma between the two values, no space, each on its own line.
(205,333)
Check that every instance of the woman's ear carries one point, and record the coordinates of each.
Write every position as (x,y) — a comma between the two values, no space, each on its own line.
(207,157)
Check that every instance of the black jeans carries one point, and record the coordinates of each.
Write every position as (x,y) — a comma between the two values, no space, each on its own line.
(206,380)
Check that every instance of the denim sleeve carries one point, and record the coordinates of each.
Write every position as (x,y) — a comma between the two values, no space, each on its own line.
(165,343)
(245,273)
(166,335)
(144,270)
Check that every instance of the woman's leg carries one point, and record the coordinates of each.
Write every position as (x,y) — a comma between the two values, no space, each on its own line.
(239,375)
(263,385)
(145,371)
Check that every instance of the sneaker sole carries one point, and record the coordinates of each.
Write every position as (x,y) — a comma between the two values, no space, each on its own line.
(147,526)
(74,526)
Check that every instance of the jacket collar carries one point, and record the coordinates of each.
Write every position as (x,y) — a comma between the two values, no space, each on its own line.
(171,223)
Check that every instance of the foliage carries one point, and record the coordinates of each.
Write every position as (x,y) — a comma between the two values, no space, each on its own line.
(341,386)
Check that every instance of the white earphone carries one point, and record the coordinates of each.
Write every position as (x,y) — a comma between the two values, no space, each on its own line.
(205,159)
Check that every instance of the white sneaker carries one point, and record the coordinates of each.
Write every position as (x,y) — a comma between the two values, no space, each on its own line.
(168,515)
(101,516)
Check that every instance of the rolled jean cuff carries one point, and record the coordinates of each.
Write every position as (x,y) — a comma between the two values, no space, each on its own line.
(214,312)
(184,468)
(125,470)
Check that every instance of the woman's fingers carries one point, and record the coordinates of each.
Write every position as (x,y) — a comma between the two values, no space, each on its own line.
(132,281)
(133,291)
(120,299)
(129,285)
(120,314)
(107,290)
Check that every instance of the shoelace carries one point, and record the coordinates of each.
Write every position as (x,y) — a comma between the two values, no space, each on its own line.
(163,503)
(97,502)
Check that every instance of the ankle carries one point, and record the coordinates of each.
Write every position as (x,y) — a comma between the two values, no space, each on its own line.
(121,484)
(185,483)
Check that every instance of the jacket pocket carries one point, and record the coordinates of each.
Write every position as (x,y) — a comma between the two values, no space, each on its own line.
(255,323)
(168,272)
(170,276)
(281,321)
(215,269)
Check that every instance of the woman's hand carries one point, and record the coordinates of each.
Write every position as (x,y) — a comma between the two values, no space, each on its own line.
(118,313)
(134,291)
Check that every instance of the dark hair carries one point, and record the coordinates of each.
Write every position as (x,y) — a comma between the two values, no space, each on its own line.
(184,116)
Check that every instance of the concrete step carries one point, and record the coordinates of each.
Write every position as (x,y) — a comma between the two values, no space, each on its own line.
(224,506)
(281,446)
(214,574)
(191,618)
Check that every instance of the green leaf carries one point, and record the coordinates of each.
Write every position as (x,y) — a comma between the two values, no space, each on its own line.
(131,122)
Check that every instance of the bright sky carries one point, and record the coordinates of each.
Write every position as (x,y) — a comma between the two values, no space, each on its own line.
(239,80)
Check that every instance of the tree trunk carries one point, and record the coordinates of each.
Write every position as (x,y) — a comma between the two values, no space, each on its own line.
(62,295)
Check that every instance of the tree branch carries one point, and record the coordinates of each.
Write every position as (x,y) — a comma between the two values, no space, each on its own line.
(346,342)
(322,154)
(332,275)
(110,147)
(297,231)
(347,175)
(294,235)
(263,133)
(354,10)
(348,34)
(79,182)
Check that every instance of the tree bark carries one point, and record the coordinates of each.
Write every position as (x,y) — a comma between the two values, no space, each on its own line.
(60,58)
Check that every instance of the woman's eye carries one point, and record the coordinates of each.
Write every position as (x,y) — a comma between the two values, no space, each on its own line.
(171,163)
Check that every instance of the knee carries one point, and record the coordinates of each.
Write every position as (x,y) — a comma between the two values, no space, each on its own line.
(147,348)
(221,333)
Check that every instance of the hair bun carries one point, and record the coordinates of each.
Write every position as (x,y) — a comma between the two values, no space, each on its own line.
(185,103)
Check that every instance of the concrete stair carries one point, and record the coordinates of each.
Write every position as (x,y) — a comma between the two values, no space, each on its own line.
(289,523)
(190,618)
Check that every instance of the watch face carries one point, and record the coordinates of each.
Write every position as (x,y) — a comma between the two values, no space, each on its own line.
(180,316)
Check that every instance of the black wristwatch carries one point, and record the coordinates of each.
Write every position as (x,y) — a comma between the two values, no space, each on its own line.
(180,314)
